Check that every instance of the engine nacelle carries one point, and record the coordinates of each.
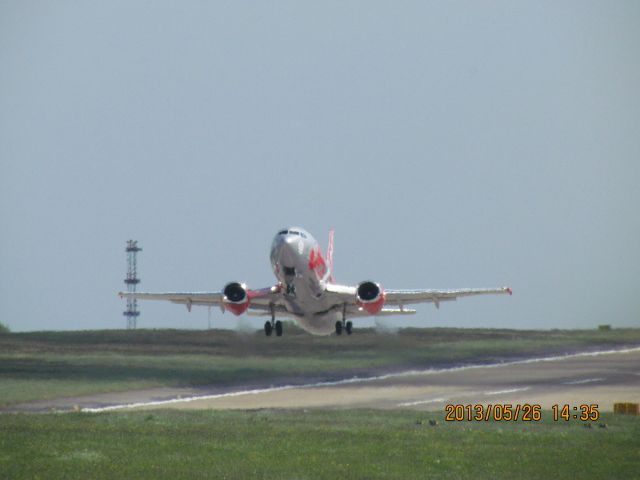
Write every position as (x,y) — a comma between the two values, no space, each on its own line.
(370,296)
(236,298)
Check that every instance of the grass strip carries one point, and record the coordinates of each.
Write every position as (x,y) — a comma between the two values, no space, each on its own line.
(314,444)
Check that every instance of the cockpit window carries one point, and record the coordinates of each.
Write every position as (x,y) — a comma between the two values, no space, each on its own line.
(292,232)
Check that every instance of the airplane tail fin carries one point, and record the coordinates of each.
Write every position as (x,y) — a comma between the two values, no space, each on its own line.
(330,254)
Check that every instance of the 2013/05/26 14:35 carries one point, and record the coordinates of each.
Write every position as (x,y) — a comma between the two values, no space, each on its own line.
(513,412)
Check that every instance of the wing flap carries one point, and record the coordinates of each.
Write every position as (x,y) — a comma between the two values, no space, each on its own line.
(402,297)
(258,298)
(385,312)
(193,298)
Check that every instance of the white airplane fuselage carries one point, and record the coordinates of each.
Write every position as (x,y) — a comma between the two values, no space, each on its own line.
(303,273)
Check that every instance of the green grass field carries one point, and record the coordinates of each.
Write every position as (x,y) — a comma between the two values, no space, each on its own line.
(360,444)
(46,365)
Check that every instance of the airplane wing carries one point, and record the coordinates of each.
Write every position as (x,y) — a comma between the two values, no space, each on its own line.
(404,297)
(260,299)
(347,295)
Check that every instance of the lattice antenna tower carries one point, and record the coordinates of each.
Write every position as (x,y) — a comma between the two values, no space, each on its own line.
(132,280)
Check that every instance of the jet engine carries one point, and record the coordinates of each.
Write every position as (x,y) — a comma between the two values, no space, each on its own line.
(236,298)
(370,296)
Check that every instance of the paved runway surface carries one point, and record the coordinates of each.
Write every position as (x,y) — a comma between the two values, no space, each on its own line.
(601,378)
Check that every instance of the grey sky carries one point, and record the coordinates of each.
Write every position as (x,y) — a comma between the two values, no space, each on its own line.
(450,144)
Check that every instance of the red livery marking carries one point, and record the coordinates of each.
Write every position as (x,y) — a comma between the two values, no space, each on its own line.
(375,306)
(251,294)
(317,263)
(237,308)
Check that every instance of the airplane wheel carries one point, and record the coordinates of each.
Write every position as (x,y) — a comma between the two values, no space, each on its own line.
(338,328)
(349,327)
(268,328)
(279,328)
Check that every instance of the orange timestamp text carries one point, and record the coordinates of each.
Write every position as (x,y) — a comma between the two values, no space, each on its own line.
(525,412)
(497,412)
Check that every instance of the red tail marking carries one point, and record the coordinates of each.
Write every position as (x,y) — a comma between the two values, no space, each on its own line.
(317,263)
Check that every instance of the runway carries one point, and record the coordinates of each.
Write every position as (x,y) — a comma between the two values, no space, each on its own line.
(601,378)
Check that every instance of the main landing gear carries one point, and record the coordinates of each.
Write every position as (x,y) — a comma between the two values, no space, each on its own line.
(269,327)
(346,326)
(343,324)
(274,324)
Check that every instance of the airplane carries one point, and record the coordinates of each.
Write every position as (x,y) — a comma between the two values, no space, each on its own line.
(306,291)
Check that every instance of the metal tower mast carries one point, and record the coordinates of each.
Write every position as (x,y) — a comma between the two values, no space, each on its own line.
(132,280)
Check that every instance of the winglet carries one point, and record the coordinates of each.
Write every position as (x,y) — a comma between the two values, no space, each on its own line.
(330,254)
(330,250)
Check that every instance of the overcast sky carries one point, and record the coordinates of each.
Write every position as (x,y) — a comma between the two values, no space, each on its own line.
(450,144)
